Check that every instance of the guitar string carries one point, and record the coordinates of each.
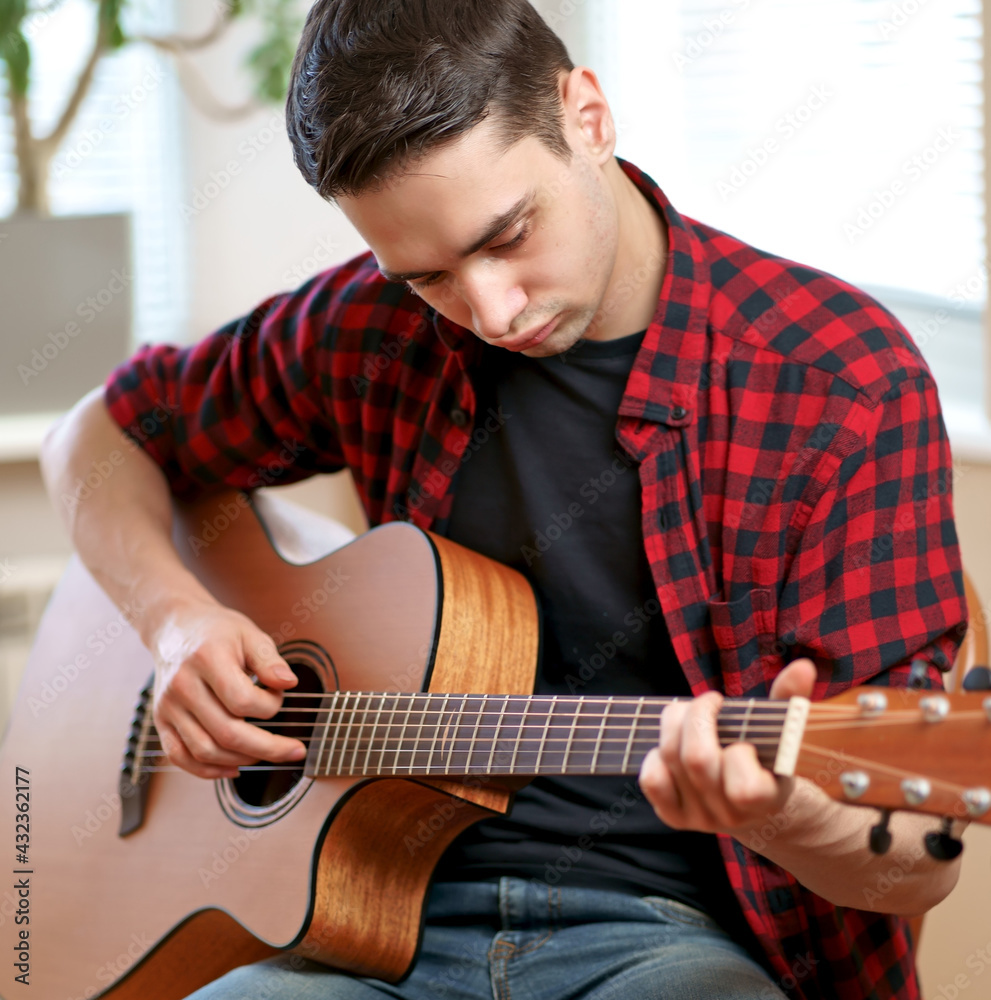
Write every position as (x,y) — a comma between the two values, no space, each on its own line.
(431,742)
(888,769)
(762,726)
(938,784)
(533,731)
(732,708)
(621,701)
(616,746)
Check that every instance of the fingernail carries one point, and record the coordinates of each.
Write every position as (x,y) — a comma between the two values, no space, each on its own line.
(298,754)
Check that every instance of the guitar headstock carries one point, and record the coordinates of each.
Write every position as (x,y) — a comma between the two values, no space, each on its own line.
(923,751)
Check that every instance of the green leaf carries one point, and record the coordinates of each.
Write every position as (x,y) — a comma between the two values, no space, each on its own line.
(12,13)
(14,51)
(109,16)
(271,60)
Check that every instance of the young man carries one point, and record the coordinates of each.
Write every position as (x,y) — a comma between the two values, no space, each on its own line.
(725,474)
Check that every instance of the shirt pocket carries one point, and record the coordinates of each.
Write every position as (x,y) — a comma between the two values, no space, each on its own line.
(745,634)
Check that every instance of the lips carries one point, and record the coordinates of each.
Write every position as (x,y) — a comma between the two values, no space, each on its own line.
(527,341)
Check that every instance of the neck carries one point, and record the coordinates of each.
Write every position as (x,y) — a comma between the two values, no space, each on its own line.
(631,297)
(358,733)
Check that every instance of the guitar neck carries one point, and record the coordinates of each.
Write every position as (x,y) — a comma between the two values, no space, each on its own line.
(360,733)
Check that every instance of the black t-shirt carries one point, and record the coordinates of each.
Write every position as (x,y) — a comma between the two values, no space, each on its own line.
(546,488)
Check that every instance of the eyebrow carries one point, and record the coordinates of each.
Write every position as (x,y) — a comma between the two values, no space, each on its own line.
(494,229)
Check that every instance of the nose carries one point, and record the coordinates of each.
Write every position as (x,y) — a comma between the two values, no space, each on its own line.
(494,298)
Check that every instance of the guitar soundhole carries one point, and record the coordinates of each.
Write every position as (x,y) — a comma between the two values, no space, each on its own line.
(267,783)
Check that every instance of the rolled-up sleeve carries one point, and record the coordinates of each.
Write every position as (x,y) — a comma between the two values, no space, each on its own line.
(877,580)
(243,408)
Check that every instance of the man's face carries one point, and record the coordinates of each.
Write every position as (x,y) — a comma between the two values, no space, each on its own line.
(517,246)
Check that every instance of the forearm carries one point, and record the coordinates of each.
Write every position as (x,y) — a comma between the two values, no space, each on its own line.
(824,844)
(116,504)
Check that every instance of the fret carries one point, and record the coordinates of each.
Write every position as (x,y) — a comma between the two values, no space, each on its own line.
(571,736)
(454,736)
(403,738)
(437,733)
(519,736)
(495,735)
(419,730)
(347,735)
(323,739)
(371,738)
(337,730)
(598,741)
(746,720)
(385,742)
(474,734)
(543,739)
(633,733)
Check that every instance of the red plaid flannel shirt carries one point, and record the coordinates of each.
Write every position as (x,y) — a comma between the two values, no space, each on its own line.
(795,471)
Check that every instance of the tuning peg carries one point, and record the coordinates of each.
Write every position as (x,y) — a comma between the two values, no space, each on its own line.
(943,846)
(880,838)
(977,679)
(919,676)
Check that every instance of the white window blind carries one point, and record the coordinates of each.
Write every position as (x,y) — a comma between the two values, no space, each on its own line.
(122,153)
(845,134)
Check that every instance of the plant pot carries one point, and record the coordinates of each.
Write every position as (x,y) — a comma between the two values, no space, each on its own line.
(65,308)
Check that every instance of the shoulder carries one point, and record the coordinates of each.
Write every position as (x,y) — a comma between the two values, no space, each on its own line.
(806,317)
(349,300)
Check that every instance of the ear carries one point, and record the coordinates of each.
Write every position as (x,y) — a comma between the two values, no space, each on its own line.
(588,118)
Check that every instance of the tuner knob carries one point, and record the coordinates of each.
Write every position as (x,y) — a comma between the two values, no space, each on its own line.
(880,837)
(977,801)
(872,702)
(977,679)
(919,675)
(943,846)
(935,708)
(916,790)
(854,783)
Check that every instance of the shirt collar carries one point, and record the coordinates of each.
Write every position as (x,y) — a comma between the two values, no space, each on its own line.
(664,383)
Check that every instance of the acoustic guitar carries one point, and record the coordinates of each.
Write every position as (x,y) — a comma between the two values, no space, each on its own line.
(131,879)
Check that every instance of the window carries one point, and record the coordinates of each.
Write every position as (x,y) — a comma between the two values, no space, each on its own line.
(120,155)
(845,134)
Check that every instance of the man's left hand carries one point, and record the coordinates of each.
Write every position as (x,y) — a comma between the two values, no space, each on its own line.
(695,784)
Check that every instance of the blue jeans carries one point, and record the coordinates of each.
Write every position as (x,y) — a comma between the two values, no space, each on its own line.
(520,940)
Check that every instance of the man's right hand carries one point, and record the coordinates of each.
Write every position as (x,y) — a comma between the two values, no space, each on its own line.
(205,656)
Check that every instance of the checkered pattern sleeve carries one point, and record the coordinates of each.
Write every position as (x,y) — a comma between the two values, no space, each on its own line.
(242,408)
(877,578)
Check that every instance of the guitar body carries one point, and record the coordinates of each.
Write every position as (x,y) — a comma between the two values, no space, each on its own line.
(219,873)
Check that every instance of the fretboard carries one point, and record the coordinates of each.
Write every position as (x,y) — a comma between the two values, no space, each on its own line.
(361,733)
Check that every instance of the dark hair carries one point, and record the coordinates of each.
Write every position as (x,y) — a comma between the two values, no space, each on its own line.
(377,84)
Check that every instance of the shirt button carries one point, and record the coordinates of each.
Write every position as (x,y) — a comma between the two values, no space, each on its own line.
(679,413)
(459,417)
(662,520)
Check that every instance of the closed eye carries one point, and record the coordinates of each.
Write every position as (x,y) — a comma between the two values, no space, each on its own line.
(430,279)
(514,244)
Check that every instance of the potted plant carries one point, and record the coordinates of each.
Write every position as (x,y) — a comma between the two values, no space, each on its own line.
(80,266)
